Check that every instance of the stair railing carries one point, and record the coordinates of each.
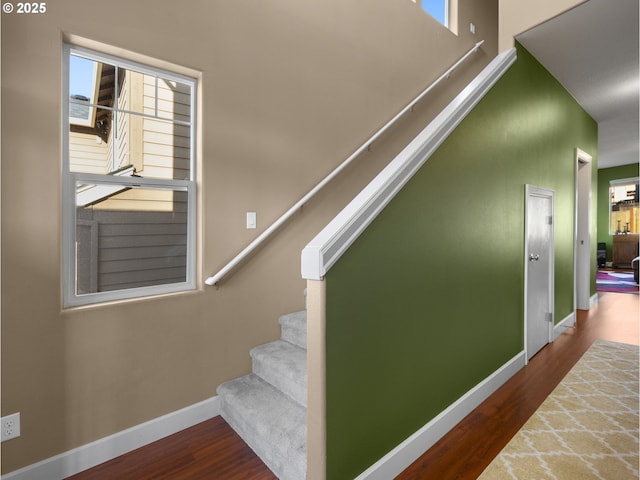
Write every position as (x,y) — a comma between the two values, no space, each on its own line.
(215,279)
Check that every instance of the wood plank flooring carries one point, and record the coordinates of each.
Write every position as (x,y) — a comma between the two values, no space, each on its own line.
(470,446)
(211,450)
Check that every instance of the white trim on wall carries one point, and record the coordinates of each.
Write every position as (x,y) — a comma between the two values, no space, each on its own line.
(329,245)
(565,324)
(398,459)
(87,456)
(593,301)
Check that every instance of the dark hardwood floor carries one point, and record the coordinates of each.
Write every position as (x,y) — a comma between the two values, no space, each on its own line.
(470,446)
(211,450)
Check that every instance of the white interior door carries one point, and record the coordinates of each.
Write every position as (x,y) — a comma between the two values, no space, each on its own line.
(539,268)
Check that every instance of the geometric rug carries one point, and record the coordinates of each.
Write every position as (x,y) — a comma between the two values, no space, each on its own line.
(587,428)
(617,282)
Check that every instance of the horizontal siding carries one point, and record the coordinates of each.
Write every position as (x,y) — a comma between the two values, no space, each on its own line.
(160,161)
(86,154)
(132,253)
(166,146)
(138,199)
(119,282)
(140,241)
(136,241)
(151,136)
(168,128)
(144,283)
(142,264)
(127,229)
(140,218)
(166,150)
(168,109)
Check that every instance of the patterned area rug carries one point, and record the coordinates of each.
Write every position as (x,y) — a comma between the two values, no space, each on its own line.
(586,429)
(617,282)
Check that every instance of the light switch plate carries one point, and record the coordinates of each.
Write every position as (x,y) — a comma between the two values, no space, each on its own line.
(251,220)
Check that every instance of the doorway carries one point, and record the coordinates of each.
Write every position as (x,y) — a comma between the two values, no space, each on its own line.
(582,250)
(539,268)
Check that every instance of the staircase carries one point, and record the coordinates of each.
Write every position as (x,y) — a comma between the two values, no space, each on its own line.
(268,407)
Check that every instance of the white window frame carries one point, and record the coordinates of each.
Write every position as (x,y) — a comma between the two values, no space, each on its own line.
(71,179)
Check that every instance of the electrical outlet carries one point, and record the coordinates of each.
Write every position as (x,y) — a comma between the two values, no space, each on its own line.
(10,426)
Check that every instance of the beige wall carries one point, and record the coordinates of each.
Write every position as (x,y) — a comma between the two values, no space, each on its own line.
(288,90)
(517,16)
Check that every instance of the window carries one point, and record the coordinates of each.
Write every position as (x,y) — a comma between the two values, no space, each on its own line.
(624,207)
(129,179)
(438,9)
(444,11)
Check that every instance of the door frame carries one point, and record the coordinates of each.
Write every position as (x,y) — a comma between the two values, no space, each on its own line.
(530,191)
(583,214)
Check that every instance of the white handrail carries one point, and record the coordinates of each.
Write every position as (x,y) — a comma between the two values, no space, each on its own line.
(214,279)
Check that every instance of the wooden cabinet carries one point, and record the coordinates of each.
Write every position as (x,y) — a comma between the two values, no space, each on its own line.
(625,249)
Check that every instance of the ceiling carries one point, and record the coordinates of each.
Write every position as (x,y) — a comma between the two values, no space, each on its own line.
(592,50)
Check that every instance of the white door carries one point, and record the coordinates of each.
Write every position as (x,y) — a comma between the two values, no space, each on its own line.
(539,265)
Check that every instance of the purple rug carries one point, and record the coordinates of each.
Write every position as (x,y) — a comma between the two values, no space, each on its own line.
(617,282)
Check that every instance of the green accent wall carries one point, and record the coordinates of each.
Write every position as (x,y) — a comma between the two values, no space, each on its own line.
(429,301)
(605,175)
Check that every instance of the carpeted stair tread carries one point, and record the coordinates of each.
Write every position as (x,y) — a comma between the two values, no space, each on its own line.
(294,328)
(270,422)
(284,366)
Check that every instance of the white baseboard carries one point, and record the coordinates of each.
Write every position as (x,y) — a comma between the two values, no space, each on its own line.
(593,301)
(398,459)
(568,322)
(108,448)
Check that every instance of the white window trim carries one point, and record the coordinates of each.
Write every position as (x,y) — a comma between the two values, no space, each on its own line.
(624,181)
(69,180)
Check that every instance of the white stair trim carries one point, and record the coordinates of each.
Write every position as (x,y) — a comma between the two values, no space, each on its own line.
(329,245)
(398,459)
(107,448)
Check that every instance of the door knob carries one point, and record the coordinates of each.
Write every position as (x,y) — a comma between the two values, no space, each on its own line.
(533,257)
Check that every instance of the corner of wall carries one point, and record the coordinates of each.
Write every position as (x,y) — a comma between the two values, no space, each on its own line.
(316,380)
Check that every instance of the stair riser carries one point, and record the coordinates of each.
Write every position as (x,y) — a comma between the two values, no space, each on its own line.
(294,328)
(258,444)
(294,388)
(295,336)
(257,424)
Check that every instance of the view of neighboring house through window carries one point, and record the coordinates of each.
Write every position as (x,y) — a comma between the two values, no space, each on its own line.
(624,207)
(129,179)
